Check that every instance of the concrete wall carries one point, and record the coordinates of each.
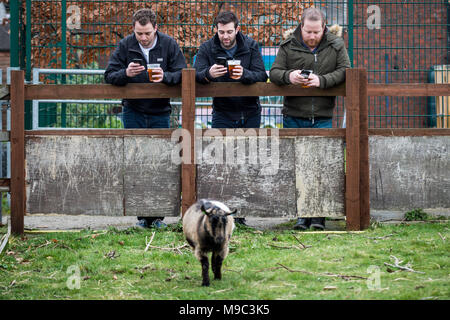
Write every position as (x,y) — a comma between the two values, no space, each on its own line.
(409,172)
(299,176)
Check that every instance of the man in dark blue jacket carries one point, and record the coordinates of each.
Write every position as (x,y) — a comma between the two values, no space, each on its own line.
(151,47)
(231,44)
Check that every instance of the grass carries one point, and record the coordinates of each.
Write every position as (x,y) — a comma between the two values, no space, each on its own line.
(268,265)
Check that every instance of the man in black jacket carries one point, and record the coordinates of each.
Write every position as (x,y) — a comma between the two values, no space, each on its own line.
(230,44)
(151,47)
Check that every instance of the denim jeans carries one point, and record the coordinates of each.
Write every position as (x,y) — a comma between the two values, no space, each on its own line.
(293,122)
(225,120)
(133,119)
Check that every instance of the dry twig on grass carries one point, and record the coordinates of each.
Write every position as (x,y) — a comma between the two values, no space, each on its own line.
(304,247)
(175,249)
(328,274)
(381,238)
(5,238)
(397,263)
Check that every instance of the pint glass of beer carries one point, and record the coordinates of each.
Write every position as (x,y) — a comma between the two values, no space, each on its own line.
(150,68)
(231,66)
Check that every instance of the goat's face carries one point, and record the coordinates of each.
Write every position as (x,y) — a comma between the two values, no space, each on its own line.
(217,221)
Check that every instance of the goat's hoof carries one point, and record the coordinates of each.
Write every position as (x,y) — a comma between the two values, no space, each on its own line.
(205,284)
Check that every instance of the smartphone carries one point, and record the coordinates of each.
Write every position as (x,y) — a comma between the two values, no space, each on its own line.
(139,61)
(221,61)
(305,73)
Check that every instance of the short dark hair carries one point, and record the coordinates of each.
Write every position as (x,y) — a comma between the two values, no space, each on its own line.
(225,17)
(313,14)
(144,16)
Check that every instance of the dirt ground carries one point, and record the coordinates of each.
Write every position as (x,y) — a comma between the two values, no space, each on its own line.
(65,222)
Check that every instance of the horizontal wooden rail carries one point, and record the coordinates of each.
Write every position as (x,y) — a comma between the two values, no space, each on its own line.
(5,184)
(101,132)
(158,90)
(408,90)
(401,132)
(227,89)
(101,91)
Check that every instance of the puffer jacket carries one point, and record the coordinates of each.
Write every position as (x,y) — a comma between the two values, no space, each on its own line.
(166,53)
(328,62)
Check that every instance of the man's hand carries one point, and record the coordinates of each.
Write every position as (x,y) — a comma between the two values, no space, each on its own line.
(238,71)
(312,81)
(157,75)
(134,69)
(217,70)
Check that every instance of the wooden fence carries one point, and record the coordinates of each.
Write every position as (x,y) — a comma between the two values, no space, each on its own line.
(356,134)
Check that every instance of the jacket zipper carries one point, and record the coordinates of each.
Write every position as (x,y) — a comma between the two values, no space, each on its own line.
(312,98)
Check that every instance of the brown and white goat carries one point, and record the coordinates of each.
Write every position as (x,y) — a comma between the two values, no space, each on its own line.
(207,226)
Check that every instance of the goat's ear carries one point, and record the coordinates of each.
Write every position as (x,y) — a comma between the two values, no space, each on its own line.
(207,208)
(232,213)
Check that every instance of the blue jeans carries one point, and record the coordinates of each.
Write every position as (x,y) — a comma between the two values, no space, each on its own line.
(227,120)
(319,122)
(133,119)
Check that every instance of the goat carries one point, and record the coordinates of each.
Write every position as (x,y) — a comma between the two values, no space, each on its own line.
(207,226)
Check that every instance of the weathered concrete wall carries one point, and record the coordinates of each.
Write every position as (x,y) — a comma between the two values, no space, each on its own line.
(300,176)
(102,176)
(309,180)
(409,172)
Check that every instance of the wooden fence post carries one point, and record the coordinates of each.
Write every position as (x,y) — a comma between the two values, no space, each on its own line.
(17,94)
(188,170)
(364,178)
(352,178)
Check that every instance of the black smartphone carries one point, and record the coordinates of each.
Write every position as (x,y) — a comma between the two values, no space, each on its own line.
(305,73)
(221,61)
(139,61)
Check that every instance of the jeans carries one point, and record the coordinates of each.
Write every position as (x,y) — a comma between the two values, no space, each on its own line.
(132,120)
(226,120)
(319,122)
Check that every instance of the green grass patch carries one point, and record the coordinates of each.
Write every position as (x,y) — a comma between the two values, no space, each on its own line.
(272,264)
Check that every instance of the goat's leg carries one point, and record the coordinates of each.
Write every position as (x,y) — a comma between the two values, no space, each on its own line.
(217,265)
(203,258)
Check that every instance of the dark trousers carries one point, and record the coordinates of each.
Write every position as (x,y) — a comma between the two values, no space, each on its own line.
(134,120)
(234,120)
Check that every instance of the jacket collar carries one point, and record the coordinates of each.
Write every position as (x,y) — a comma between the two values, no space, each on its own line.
(242,46)
(134,44)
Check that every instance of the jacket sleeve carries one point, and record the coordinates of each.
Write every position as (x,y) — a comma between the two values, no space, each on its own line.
(257,71)
(338,75)
(176,63)
(115,72)
(279,73)
(202,65)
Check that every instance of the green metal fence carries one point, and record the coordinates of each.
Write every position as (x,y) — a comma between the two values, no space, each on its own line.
(397,41)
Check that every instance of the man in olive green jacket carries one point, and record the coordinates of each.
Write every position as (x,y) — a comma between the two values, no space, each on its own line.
(311,47)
